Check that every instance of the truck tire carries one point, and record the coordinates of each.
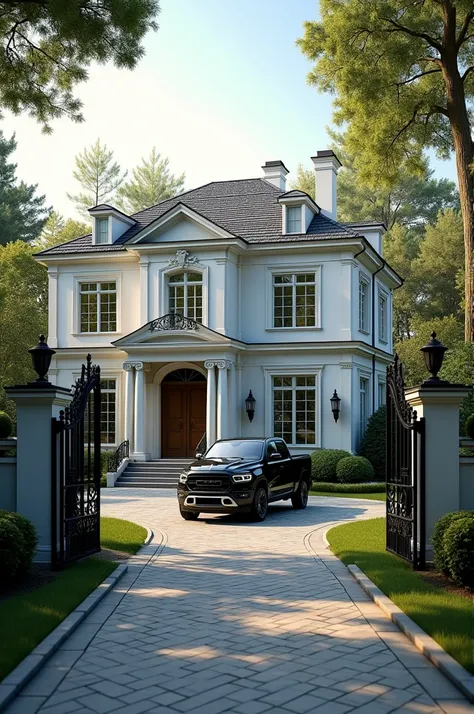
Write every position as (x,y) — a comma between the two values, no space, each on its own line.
(260,505)
(300,498)
(189,515)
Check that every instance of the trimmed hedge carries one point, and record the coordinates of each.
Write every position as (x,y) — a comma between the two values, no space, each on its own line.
(348,487)
(17,546)
(469,426)
(324,463)
(6,425)
(438,537)
(104,460)
(354,469)
(458,547)
(373,445)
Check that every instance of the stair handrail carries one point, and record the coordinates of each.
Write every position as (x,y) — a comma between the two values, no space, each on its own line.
(121,452)
(201,448)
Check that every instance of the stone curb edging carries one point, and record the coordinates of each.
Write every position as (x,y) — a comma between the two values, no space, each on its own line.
(149,537)
(426,644)
(14,682)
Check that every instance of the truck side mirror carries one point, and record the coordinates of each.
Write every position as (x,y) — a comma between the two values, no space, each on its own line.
(198,456)
(274,457)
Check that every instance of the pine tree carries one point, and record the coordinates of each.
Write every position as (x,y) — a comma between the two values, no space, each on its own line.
(151,182)
(57,231)
(98,175)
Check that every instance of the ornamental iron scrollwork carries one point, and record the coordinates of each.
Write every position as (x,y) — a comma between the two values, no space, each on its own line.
(76,471)
(173,321)
(405,508)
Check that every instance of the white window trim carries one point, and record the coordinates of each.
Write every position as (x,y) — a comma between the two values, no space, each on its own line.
(116,374)
(383,293)
(294,269)
(364,374)
(76,307)
(164,303)
(380,382)
(94,229)
(363,278)
(286,231)
(310,370)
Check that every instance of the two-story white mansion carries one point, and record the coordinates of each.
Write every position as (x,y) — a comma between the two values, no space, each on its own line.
(232,287)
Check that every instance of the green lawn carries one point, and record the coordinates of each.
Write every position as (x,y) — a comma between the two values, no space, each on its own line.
(369,496)
(445,616)
(25,620)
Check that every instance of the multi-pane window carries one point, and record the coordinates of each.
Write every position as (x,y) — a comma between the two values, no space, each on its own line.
(294,300)
(185,295)
(382,317)
(294,408)
(363,404)
(382,393)
(293,219)
(107,412)
(102,230)
(363,304)
(98,307)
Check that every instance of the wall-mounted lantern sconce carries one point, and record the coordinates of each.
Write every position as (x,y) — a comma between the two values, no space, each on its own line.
(433,353)
(335,406)
(250,405)
(41,358)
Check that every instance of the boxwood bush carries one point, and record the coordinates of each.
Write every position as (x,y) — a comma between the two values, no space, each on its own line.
(324,463)
(17,546)
(458,546)
(354,469)
(373,445)
(6,425)
(438,537)
(348,487)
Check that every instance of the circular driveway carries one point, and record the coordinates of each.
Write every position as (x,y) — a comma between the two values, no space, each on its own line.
(222,615)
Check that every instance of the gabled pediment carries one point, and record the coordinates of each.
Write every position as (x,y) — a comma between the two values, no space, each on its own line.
(172,329)
(167,225)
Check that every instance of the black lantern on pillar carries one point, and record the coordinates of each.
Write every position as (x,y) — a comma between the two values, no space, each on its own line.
(250,406)
(433,353)
(41,358)
(335,406)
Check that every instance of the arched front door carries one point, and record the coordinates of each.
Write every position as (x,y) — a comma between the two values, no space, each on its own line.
(183,413)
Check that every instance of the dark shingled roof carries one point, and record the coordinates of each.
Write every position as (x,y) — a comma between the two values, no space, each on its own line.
(247,209)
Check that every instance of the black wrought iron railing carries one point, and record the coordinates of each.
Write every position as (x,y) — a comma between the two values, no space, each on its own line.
(121,452)
(201,448)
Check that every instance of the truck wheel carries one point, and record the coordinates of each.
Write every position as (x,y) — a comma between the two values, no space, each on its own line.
(300,499)
(189,515)
(260,505)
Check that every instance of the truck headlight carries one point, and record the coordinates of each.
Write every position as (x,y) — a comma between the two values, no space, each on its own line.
(238,478)
(183,478)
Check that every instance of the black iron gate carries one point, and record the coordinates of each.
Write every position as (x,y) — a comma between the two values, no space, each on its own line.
(405,473)
(76,472)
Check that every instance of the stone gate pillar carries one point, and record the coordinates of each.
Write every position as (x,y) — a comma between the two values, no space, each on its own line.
(439,405)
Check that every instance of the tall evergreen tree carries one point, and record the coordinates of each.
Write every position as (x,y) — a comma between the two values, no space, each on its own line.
(99,176)
(57,231)
(22,212)
(151,182)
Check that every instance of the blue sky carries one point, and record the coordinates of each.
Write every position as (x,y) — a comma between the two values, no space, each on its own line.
(222,89)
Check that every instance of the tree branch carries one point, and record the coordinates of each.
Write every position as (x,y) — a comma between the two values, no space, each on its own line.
(413,33)
(464,29)
(468,71)
(417,76)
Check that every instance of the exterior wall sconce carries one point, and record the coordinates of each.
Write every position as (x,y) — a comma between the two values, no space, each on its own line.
(433,353)
(335,406)
(41,358)
(250,406)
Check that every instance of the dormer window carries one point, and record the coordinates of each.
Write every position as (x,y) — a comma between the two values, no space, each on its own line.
(293,219)
(102,230)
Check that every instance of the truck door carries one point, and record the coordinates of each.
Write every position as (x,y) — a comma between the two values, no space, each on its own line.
(287,474)
(274,468)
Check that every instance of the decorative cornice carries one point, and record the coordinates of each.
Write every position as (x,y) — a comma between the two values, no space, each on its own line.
(345,365)
(173,321)
(182,259)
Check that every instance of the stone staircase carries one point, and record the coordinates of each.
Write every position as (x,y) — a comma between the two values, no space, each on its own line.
(160,473)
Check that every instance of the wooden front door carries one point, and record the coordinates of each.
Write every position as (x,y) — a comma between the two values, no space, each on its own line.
(183,418)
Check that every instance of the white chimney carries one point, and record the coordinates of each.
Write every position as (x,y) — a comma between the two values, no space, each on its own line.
(326,166)
(276,172)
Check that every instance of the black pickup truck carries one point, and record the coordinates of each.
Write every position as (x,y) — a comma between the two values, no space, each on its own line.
(244,475)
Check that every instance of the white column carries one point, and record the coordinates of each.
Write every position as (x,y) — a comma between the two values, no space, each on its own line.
(211,403)
(232,424)
(144,265)
(139,416)
(53,306)
(129,401)
(222,400)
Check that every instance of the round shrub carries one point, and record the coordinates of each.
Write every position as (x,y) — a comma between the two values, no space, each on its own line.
(354,469)
(28,531)
(11,546)
(469,426)
(458,545)
(438,536)
(6,425)
(374,442)
(324,463)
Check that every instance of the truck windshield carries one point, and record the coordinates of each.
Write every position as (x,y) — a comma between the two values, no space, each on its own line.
(236,450)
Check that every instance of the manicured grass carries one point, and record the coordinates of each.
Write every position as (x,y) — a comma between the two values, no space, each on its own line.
(125,536)
(25,620)
(445,616)
(369,496)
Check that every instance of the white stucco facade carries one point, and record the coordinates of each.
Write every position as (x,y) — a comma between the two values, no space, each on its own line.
(236,343)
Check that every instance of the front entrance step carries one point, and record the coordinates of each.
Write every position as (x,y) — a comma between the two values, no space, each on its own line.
(159,473)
